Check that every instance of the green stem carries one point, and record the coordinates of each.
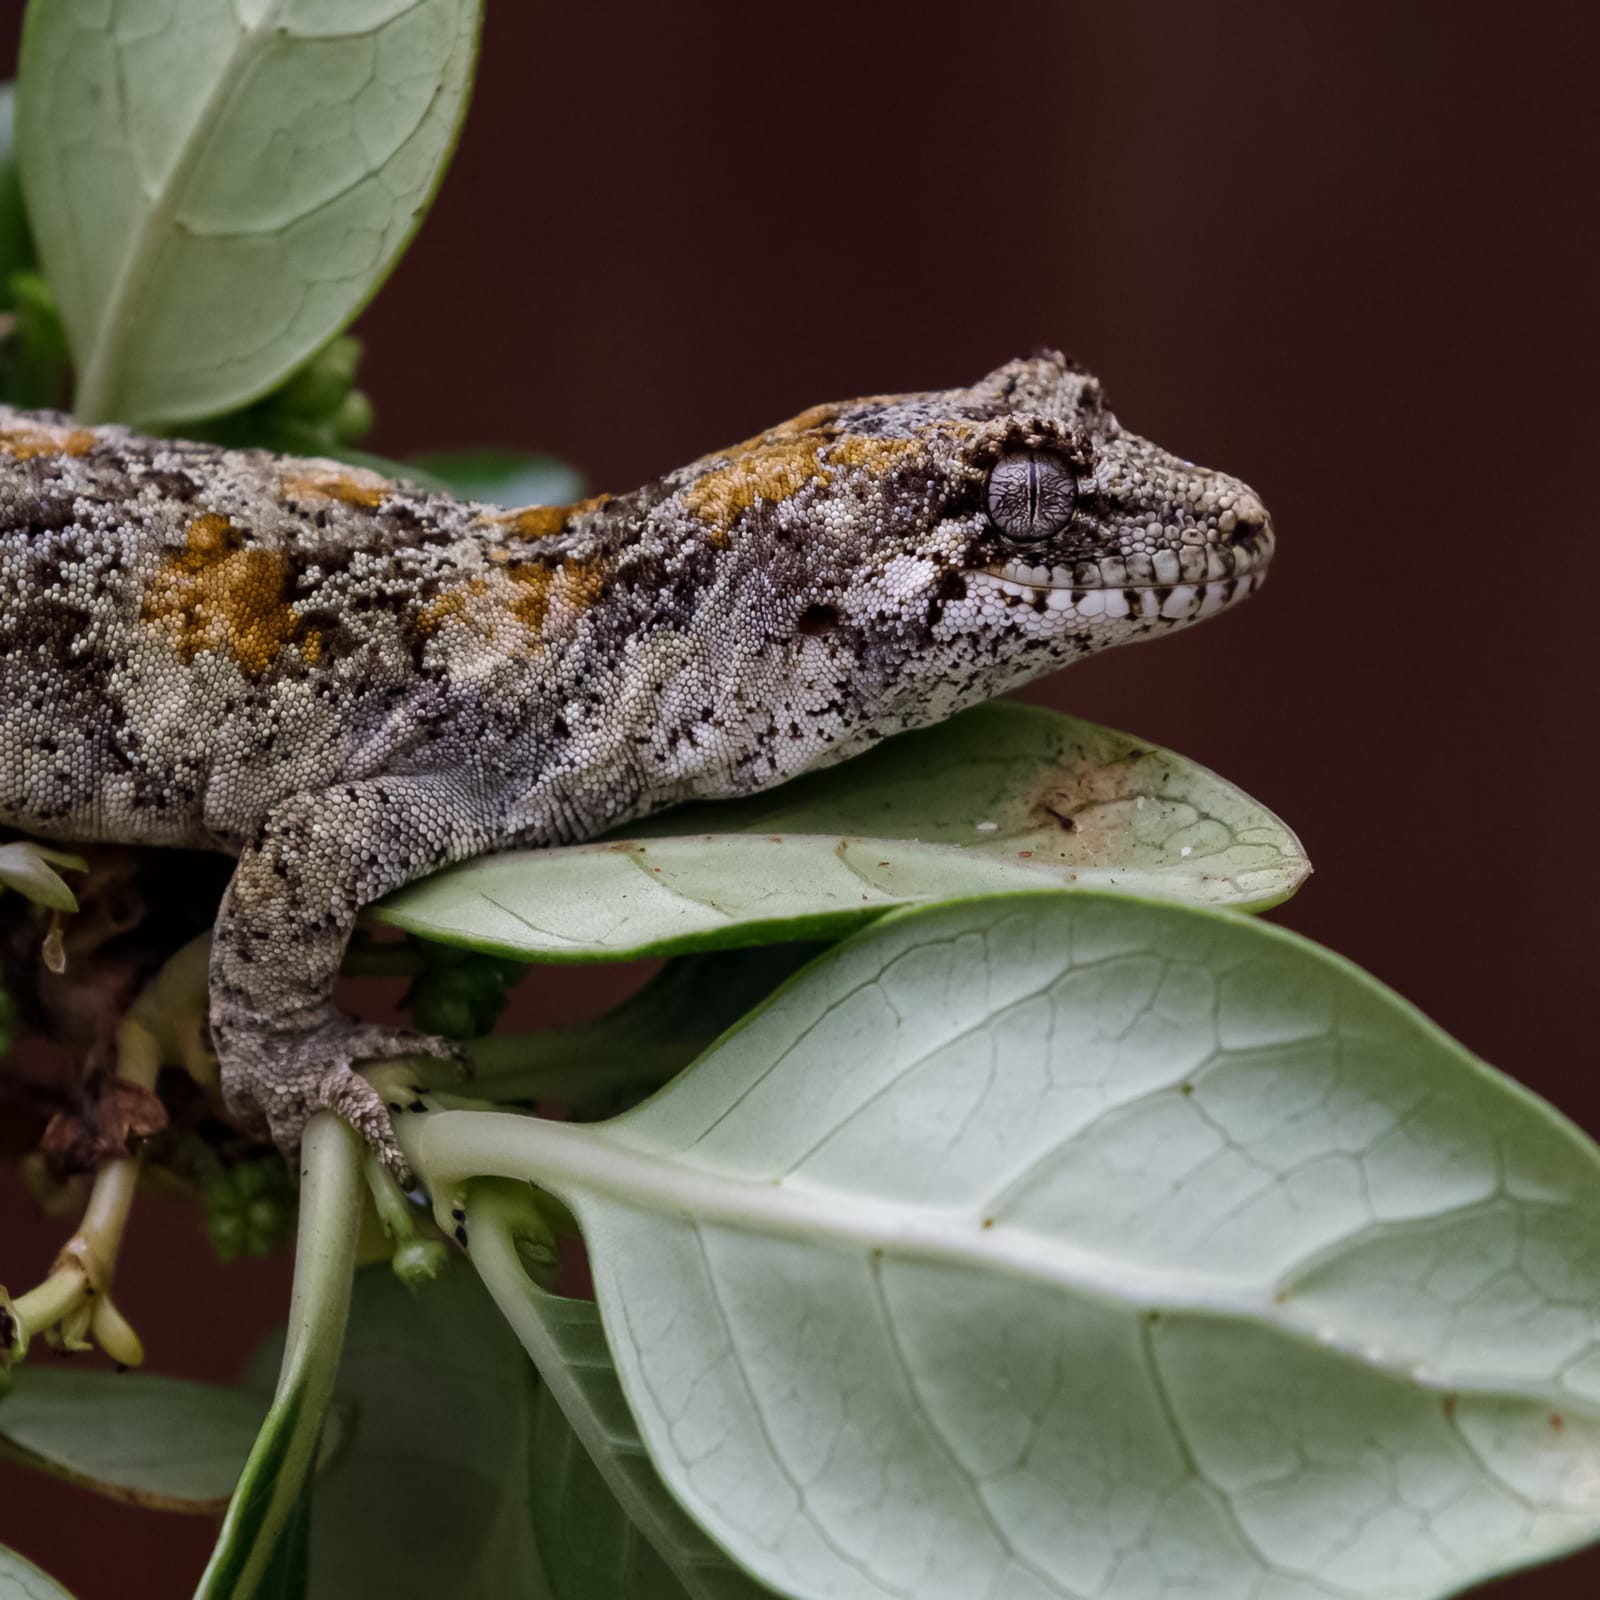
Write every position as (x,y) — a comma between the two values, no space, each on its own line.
(44,1306)
(499,1215)
(570,1067)
(285,1449)
(502,1216)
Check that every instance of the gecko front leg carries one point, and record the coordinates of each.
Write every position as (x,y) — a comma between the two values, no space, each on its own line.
(302,879)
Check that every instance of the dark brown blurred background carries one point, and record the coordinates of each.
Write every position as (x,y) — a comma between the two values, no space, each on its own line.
(1347,251)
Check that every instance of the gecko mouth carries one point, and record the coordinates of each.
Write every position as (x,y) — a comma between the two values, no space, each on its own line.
(1194,581)
(1175,601)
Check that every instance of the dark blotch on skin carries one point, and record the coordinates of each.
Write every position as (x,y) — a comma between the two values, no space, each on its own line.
(816,619)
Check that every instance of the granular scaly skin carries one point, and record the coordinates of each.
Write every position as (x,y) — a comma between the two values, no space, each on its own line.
(348,682)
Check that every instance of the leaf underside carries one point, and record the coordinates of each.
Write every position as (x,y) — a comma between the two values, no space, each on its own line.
(21,1580)
(1004,797)
(217,186)
(1072,1245)
(159,1442)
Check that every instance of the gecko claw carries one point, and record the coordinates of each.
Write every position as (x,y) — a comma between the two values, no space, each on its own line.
(282,1082)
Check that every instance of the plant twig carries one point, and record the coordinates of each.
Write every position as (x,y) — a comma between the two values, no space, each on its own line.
(73,1305)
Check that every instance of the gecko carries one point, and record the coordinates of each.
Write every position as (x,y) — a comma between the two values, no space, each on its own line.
(347,681)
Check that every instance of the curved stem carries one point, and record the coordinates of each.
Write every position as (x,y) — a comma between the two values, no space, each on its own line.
(560,1336)
(285,1450)
(75,1299)
(46,1305)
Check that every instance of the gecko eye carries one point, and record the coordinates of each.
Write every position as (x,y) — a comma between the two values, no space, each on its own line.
(1031,495)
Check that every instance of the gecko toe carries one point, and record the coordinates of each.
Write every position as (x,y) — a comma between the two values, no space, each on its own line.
(281,1080)
(351,1097)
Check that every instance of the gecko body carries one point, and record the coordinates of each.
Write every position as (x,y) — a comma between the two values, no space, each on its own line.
(348,682)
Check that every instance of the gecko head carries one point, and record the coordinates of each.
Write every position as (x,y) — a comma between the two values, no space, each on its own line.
(983,536)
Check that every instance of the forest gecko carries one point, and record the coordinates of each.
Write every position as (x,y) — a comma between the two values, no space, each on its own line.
(348,682)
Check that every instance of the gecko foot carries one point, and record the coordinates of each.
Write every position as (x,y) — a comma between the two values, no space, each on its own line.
(282,1081)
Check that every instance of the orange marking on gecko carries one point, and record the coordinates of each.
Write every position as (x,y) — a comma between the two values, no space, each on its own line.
(350,486)
(573,586)
(23,441)
(544,522)
(535,579)
(770,473)
(583,582)
(447,606)
(216,594)
(877,455)
(813,419)
(778,464)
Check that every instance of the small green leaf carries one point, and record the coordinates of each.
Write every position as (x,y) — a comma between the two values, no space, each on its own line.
(504,477)
(250,1206)
(28,867)
(35,363)
(316,411)
(459,994)
(152,1441)
(217,188)
(1004,797)
(21,1580)
(1068,1244)
(317,390)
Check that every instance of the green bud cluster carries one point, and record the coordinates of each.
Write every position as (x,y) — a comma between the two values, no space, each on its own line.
(250,1207)
(34,360)
(321,400)
(316,410)
(459,994)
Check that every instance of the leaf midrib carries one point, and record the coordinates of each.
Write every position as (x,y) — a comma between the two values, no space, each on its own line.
(580,1164)
(115,331)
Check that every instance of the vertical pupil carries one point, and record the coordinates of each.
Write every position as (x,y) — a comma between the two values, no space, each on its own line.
(1033,493)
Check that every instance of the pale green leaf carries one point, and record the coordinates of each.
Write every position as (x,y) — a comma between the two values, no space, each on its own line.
(28,867)
(217,186)
(158,1442)
(607,1527)
(1003,797)
(21,1580)
(1058,1245)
